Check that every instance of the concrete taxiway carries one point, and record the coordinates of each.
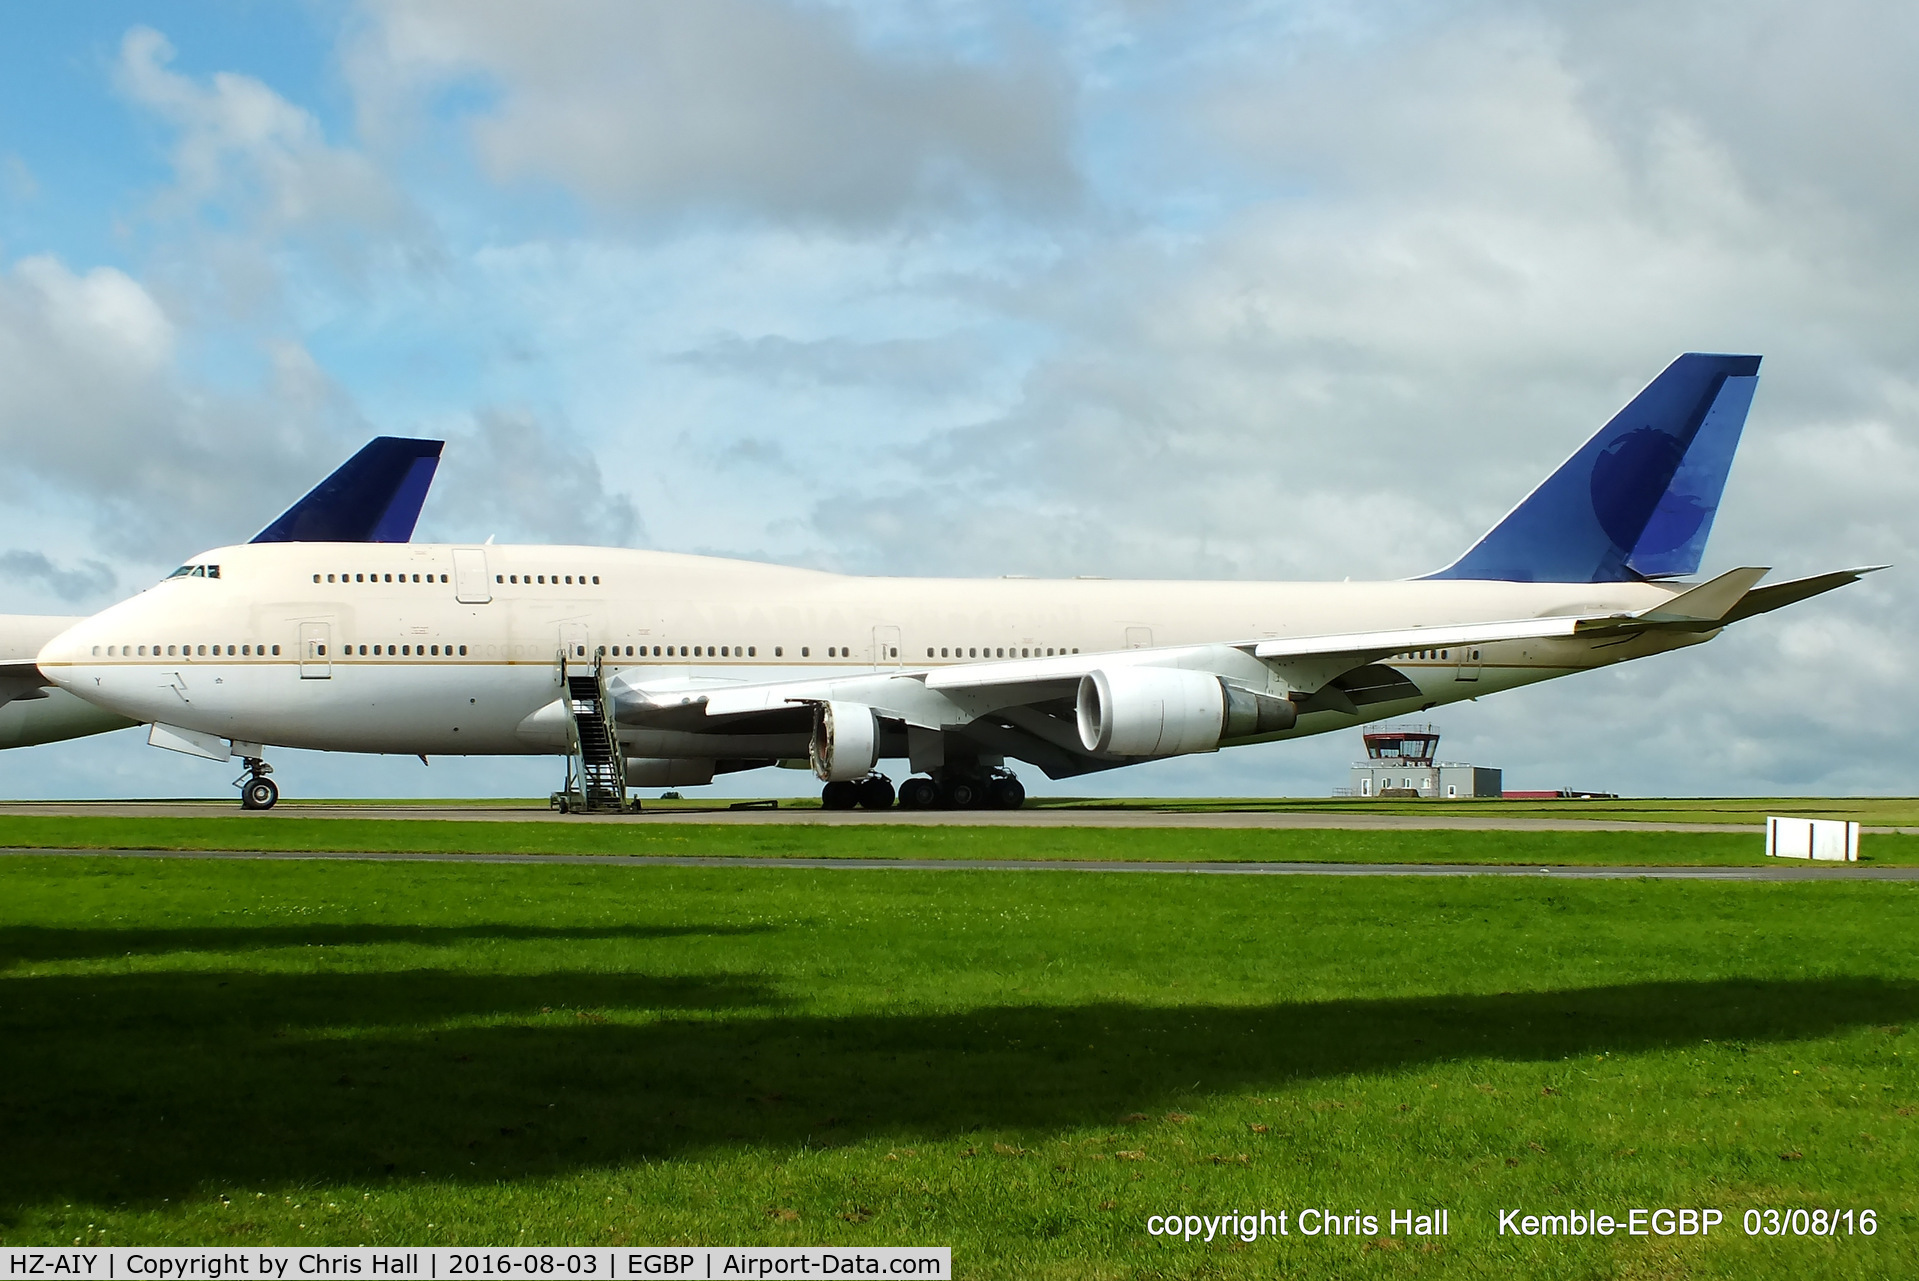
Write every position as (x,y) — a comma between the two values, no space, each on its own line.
(1115,817)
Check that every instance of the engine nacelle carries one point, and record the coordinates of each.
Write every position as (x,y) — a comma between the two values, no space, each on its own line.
(668,771)
(1150,711)
(1249,712)
(846,742)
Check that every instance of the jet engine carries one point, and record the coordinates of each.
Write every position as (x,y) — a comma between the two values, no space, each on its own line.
(1168,711)
(846,742)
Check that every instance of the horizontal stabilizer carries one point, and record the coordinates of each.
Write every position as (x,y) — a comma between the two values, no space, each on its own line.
(1763,600)
(1710,602)
(374,497)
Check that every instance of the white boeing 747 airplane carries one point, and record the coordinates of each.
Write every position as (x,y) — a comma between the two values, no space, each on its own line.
(656,669)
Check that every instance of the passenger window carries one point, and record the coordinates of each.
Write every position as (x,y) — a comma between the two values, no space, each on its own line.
(596,580)
(752,651)
(329,578)
(462,651)
(316,578)
(276,651)
(806,651)
(498,579)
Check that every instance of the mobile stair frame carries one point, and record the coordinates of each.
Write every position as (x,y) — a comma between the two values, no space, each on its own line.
(595,765)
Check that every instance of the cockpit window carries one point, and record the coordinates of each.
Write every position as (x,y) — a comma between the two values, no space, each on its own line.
(196,571)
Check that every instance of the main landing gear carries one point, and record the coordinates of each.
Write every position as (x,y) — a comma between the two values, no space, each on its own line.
(874,792)
(994,789)
(257,791)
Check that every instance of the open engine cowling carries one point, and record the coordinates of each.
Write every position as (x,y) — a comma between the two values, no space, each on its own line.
(846,742)
(1168,711)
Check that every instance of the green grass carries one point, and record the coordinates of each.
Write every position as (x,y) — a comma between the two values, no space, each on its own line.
(1874,811)
(1023,1067)
(252,832)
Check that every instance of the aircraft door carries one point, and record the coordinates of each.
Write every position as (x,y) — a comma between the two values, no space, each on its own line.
(316,651)
(472,585)
(573,641)
(886,646)
(1468,665)
(1139,638)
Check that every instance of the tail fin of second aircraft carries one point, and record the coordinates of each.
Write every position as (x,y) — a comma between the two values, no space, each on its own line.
(374,497)
(1638,499)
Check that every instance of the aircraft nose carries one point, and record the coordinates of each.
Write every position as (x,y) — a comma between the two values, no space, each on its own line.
(57,656)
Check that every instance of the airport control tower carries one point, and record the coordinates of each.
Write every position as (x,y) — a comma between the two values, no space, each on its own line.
(1402,762)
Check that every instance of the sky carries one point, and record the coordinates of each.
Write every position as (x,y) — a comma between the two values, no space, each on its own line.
(1137,289)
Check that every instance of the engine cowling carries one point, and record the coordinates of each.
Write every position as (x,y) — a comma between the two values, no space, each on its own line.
(1150,711)
(668,771)
(846,742)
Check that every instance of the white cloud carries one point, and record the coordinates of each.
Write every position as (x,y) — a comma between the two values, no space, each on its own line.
(743,106)
(94,411)
(242,147)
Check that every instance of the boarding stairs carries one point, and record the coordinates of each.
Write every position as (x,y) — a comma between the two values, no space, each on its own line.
(596,768)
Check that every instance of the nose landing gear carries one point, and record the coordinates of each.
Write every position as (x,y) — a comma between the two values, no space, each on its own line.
(257,791)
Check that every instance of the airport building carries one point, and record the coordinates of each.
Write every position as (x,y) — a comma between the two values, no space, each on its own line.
(1402,762)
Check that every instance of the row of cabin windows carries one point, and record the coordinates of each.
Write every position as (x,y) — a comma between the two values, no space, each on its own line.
(187,651)
(380,578)
(1443,655)
(1001,651)
(400,651)
(435,651)
(542,579)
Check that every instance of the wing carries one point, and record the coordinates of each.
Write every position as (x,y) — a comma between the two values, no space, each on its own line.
(1034,708)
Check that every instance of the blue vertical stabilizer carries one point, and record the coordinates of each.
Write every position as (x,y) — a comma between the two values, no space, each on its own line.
(1637,500)
(374,497)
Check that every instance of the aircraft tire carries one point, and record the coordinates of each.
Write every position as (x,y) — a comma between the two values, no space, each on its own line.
(876,793)
(839,796)
(919,794)
(1006,794)
(259,794)
(960,794)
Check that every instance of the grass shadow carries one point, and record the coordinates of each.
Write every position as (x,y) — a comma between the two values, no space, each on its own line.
(24,944)
(129,1088)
